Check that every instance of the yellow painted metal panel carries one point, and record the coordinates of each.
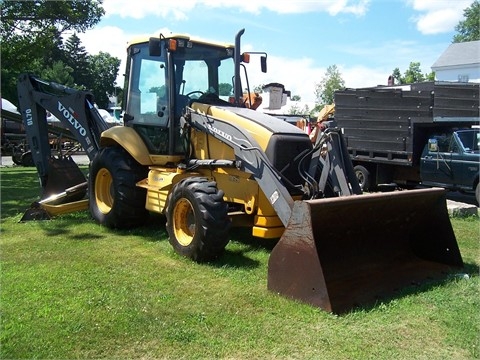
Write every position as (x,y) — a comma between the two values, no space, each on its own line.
(267,233)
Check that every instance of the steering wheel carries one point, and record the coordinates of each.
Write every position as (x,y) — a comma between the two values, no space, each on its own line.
(195,92)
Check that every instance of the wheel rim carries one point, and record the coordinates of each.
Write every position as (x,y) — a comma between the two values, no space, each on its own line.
(184,222)
(360,178)
(103,191)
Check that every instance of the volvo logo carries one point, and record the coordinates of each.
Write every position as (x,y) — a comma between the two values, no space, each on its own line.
(219,132)
(71,119)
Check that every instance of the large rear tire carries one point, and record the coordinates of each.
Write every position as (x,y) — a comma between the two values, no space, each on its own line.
(115,200)
(197,219)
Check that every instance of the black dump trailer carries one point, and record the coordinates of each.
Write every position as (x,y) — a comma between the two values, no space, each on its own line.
(388,129)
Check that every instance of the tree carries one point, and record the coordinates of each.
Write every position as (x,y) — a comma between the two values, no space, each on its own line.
(35,16)
(103,73)
(469,29)
(325,90)
(295,109)
(430,76)
(58,72)
(397,75)
(225,89)
(259,88)
(76,57)
(412,75)
(31,33)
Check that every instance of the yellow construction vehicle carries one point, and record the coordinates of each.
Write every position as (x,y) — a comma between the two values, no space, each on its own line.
(193,150)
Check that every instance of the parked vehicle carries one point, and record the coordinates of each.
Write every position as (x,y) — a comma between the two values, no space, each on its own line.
(11,127)
(418,134)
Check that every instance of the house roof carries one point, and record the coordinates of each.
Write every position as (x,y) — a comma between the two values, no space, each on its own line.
(464,53)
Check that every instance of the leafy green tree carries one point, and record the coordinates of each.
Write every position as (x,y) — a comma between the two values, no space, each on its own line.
(296,98)
(259,88)
(103,73)
(31,34)
(119,94)
(35,16)
(76,57)
(295,109)
(22,53)
(325,90)
(161,91)
(225,89)
(469,28)
(59,73)
(397,75)
(430,76)
(412,75)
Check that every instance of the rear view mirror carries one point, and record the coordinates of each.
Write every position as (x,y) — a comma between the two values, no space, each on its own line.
(263,63)
(432,145)
(154,48)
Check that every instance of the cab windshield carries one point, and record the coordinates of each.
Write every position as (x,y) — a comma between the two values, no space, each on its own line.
(203,70)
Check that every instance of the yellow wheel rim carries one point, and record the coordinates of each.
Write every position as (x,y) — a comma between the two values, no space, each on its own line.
(103,191)
(184,222)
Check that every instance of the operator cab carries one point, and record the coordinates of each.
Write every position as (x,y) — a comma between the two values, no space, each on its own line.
(167,74)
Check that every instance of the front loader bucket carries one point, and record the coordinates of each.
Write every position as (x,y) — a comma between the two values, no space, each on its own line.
(339,253)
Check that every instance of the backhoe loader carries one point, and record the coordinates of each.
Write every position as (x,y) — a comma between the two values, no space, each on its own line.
(194,149)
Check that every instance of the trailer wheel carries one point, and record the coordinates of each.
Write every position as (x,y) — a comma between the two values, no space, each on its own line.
(115,200)
(197,219)
(17,157)
(27,159)
(363,177)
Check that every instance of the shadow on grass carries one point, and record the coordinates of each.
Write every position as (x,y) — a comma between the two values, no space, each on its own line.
(67,226)
(466,273)
(239,258)
(86,236)
(20,187)
(153,230)
(235,259)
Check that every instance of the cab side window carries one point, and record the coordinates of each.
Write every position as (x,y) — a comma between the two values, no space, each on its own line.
(454,148)
(153,93)
(443,143)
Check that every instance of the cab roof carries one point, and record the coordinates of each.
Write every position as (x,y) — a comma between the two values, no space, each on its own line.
(145,38)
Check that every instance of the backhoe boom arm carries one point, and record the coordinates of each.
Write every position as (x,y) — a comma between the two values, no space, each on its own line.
(74,108)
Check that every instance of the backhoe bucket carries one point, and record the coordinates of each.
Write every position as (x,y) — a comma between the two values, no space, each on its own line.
(63,173)
(340,253)
(63,192)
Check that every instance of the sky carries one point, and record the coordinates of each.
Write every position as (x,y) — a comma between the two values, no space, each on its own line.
(365,39)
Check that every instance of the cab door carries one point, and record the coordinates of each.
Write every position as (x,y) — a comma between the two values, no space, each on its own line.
(436,161)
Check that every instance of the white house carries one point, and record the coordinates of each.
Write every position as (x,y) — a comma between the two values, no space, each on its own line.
(459,62)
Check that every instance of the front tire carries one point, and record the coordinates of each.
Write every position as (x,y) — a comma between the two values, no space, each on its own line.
(197,219)
(115,200)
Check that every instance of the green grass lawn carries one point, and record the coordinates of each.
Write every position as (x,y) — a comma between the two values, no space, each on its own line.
(73,289)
